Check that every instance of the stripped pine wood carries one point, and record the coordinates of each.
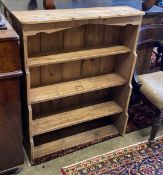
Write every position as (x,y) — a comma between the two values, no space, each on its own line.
(129,36)
(35,78)
(91,67)
(73,39)
(78,59)
(112,34)
(52,73)
(34,47)
(66,89)
(65,15)
(65,119)
(28,100)
(77,55)
(74,140)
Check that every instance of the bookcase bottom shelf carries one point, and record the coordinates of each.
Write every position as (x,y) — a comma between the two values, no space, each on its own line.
(74,140)
(73,117)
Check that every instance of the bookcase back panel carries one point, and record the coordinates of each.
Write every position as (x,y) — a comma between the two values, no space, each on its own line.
(77,38)
(128,35)
(46,75)
(73,38)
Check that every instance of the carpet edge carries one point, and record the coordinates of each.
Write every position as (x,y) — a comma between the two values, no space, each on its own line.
(143,142)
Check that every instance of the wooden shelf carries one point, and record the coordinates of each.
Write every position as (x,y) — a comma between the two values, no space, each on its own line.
(73,117)
(74,140)
(77,55)
(71,88)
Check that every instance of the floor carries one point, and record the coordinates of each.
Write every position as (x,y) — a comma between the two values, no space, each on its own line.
(53,167)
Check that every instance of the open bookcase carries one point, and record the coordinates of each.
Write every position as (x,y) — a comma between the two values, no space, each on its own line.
(78,65)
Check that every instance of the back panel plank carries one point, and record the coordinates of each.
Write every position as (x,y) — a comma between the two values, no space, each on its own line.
(73,39)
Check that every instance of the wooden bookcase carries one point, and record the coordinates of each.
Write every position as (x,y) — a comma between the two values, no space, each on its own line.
(78,65)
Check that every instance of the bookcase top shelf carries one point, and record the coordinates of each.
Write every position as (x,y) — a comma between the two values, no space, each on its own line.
(60,15)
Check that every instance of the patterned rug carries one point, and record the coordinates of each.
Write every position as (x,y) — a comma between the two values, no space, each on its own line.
(134,160)
(140,116)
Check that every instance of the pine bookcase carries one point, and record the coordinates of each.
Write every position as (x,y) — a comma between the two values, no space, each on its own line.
(78,66)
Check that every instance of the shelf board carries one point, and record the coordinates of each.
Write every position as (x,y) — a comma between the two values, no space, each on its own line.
(74,140)
(73,117)
(60,90)
(77,55)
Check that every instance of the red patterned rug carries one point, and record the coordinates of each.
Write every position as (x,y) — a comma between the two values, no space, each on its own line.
(140,116)
(134,160)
